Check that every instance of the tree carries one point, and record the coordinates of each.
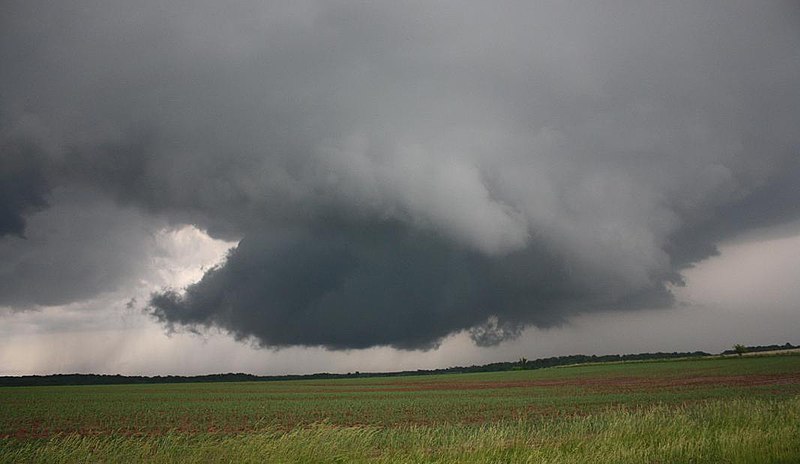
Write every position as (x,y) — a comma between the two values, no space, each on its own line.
(739,349)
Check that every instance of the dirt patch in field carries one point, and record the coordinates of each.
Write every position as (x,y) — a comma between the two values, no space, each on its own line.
(599,384)
(643,383)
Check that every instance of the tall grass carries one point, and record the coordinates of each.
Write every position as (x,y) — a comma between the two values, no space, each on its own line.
(729,431)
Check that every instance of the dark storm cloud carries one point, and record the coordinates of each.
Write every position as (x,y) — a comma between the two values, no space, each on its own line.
(80,247)
(399,172)
(23,185)
(360,285)
(772,202)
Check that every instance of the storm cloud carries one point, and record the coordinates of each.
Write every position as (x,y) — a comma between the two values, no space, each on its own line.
(23,186)
(394,173)
(365,284)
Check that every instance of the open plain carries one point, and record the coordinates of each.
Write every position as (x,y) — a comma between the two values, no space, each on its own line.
(695,410)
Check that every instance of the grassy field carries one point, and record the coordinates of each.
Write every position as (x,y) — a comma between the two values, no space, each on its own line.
(701,410)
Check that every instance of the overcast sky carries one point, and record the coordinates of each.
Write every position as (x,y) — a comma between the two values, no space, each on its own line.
(192,187)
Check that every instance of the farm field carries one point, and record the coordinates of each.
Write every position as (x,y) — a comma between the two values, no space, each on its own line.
(696,410)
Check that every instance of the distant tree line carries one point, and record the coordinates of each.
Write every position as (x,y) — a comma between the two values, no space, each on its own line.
(760,348)
(523,363)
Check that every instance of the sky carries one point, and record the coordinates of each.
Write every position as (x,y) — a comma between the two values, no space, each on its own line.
(296,187)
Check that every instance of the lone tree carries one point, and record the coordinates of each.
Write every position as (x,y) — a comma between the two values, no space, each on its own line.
(739,349)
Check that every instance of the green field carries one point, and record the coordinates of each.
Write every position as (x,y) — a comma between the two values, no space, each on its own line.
(700,410)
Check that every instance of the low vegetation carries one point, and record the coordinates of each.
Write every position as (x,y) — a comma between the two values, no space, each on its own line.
(724,409)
